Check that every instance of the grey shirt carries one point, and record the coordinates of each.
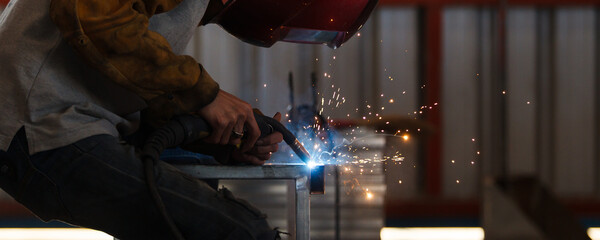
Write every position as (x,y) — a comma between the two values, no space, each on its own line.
(57,98)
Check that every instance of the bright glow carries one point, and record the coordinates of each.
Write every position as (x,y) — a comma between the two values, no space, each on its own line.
(437,233)
(369,196)
(594,233)
(52,234)
(406,137)
(312,164)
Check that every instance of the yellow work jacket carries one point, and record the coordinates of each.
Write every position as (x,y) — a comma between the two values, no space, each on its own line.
(113,37)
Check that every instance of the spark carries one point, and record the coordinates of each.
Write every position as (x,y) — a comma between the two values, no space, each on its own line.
(405,137)
(369,196)
(453,161)
(457,181)
(391,100)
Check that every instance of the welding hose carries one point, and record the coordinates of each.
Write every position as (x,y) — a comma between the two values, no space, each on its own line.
(170,135)
(186,129)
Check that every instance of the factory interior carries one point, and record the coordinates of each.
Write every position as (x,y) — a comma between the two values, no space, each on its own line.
(439,119)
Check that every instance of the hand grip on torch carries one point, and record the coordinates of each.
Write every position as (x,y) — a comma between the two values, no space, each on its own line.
(195,128)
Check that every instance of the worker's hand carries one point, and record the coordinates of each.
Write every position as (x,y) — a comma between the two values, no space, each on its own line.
(229,116)
(263,149)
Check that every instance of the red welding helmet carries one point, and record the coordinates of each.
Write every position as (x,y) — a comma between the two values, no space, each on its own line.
(264,22)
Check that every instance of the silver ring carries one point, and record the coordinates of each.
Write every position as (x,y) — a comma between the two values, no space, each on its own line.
(237,134)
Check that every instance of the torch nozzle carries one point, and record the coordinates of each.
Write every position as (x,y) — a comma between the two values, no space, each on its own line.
(299,149)
(288,136)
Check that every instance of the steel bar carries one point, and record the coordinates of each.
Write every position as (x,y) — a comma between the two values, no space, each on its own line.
(432,94)
(246,172)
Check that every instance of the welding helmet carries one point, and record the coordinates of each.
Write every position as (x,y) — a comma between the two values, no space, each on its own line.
(264,22)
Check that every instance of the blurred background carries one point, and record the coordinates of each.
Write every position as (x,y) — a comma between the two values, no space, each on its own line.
(467,119)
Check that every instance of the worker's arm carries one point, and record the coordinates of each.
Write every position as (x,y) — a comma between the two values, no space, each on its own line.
(113,36)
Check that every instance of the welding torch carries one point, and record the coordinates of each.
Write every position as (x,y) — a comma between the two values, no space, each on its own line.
(186,129)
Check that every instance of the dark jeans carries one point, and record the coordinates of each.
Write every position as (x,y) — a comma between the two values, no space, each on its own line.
(98,183)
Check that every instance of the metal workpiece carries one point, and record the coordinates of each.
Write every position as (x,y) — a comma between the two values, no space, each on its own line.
(317,180)
(299,217)
(245,172)
(302,213)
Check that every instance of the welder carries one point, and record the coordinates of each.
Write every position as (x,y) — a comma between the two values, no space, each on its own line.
(83,80)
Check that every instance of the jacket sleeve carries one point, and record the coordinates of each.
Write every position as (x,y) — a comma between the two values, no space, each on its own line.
(113,37)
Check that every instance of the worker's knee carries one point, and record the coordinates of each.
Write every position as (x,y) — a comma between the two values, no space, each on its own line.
(256,222)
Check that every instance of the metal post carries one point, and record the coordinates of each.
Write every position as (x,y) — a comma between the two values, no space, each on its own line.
(302,208)
(292,208)
(337,207)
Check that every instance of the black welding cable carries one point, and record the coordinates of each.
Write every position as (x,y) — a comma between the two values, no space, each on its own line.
(149,170)
(169,135)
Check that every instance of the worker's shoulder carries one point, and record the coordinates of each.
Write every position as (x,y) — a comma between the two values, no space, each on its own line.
(92,8)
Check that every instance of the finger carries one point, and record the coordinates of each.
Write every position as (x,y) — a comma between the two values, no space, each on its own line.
(252,159)
(263,157)
(216,133)
(265,149)
(226,136)
(270,139)
(238,128)
(253,132)
(277,116)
